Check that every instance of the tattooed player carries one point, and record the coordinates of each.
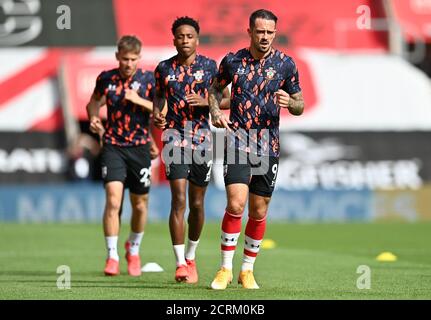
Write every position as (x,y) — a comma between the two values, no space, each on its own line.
(263,81)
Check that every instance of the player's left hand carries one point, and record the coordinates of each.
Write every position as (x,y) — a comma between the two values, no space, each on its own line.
(282,98)
(131,95)
(100,132)
(196,100)
(154,151)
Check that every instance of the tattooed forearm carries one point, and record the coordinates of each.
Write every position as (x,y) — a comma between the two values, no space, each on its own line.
(296,104)
(225,101)
(215,96)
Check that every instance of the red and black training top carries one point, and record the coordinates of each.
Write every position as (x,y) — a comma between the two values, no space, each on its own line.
(127,124)
(175,82)
(253,105)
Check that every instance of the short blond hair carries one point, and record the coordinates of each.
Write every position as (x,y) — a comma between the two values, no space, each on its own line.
(129,43)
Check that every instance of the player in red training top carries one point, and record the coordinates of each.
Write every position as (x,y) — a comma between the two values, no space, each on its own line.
(128,149)
(263,81)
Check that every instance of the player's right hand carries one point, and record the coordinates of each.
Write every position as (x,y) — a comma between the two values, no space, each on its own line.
(159,120)
(220,121)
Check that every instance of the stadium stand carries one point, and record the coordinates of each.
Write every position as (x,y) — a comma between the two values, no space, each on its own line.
(357,77)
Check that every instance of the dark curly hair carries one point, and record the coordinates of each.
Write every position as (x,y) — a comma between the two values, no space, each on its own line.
(185,20)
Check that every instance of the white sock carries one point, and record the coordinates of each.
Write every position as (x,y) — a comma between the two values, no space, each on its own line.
(227,258)
(191,249)
(247,263)
(135,242)
(179,254)
(111,246)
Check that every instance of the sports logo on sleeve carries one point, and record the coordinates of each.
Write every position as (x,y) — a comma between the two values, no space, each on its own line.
(240,71)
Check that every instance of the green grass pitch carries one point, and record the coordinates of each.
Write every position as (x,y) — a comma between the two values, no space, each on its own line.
(310,261)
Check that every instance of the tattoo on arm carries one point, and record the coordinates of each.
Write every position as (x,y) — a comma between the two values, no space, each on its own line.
(215,95)
(296,104)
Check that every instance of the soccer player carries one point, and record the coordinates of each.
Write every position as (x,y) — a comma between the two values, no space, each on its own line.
(183,80)
(127,148)
(263,81)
